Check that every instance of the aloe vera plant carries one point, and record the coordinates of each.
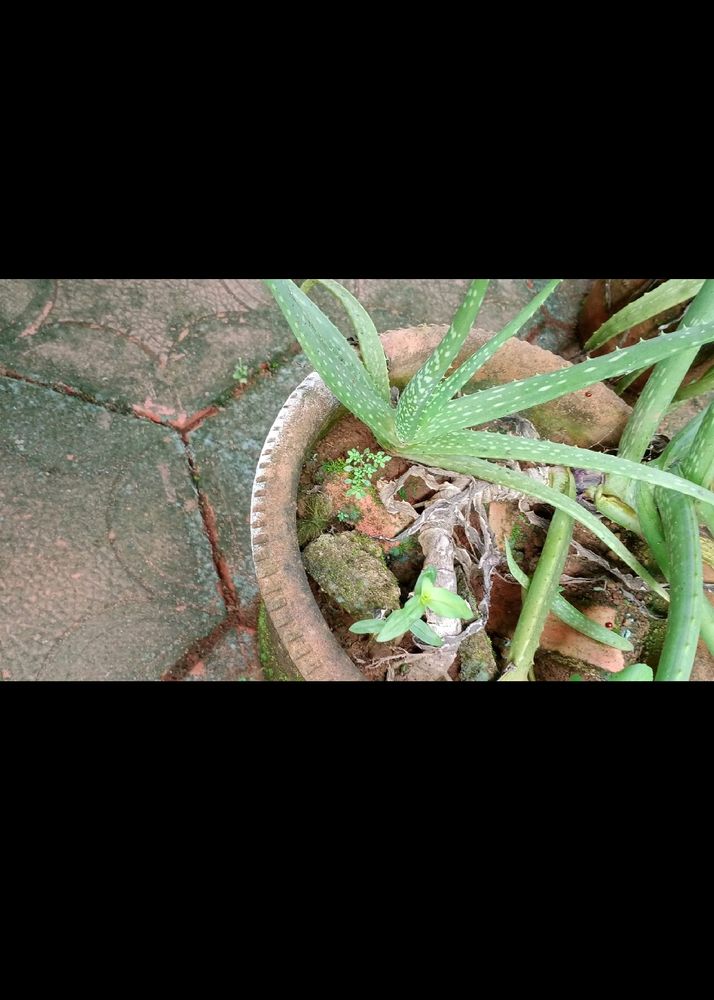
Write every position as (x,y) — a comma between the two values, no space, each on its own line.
(666,519)
(430,426)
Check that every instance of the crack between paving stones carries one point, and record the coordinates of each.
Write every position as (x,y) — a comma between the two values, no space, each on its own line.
(234,617)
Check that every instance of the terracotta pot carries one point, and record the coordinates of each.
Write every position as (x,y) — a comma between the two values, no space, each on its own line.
(301,641)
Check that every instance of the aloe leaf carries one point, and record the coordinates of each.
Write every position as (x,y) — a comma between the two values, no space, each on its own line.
(651,525)
(418,391)
(368,625)
(702,385)
(543,587)
(681,529)
(511,478)
(487,404)
(334,360)
(627,380)
(680,443)
(568,614)
(706,516)
(425,633)
(671,293)
(660,390)
(465,372)
(487,444)
(698,463)
(635,672)
(370,345)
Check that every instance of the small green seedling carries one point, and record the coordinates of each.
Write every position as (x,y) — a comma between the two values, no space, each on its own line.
(360,467)
(349,516)
(408,619)
(405,548)
(241,372)
(335,466)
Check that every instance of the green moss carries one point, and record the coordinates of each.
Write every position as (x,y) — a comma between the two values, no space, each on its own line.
(478,662)
(653,642)
(318,510)
(334,467)
(351,569)
(272,671)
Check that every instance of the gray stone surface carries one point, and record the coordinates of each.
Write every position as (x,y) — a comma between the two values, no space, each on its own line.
(234,658)
(105,569)
(167,346)
(226,449)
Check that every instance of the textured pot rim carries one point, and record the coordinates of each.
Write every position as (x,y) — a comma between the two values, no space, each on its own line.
(284,587)
(306,415)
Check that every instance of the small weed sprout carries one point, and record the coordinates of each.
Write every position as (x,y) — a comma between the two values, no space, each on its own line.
(360,467)
(426,596)
(241,372)
(334,467)
(349,516)
(318,509)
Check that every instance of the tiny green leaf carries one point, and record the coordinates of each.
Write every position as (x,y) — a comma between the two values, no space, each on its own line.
(400,621)
(425,633)
(368,625)
(447,604)
(427,574)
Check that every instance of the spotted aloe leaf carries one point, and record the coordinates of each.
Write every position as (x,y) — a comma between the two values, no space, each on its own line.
(370,345)
(702,385)
(519,481)
(417,394)
(338,364)
(486,444)
(671,293)
(487,404)
(698,463)
(465,372)
(660,390)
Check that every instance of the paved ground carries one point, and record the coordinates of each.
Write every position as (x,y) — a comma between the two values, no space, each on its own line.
(128,453)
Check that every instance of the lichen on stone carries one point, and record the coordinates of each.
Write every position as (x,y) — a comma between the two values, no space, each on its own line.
(350,568)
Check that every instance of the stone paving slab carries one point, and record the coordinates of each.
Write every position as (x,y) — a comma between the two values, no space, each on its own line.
(233,659)
(226,449)
(105,569)
(168,346)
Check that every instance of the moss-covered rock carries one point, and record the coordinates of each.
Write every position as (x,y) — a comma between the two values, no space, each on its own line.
(477,660)
(350,568)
